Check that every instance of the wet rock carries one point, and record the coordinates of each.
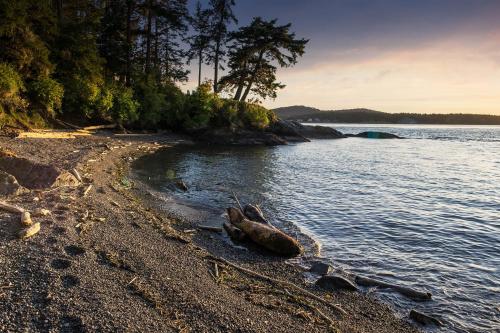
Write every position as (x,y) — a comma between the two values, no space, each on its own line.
(181,185)
(295,131)
(9,185)
(35,175)
(424,319)
(254,213)
(320,268)
(237,137)
(335,282)
(375,135)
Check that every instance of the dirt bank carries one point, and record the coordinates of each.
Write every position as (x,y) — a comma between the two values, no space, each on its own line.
(111,261)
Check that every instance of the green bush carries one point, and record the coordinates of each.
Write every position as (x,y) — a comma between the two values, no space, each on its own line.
(254,116)
(152,104)
(48,93)
(11,85)
(199,108)
(125,107)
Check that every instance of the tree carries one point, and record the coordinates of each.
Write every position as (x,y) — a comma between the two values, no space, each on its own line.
(172,16)
(257,48)
(200,41)
(222,16)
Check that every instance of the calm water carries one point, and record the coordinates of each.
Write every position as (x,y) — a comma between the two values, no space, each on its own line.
(423,212)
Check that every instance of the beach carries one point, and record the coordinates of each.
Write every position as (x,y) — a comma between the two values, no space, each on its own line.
(115,260)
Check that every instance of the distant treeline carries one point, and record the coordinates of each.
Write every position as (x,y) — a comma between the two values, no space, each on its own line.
(306,114)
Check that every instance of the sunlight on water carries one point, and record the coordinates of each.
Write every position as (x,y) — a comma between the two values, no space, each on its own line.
(423,212)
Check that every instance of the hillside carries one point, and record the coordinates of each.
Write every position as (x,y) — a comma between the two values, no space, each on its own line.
(308,114)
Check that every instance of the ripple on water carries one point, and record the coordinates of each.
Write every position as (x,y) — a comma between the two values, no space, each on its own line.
(424,213)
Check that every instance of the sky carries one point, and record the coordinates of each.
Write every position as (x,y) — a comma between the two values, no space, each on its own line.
(425,56)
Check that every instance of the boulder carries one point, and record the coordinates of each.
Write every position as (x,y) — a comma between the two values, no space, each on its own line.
(239,137)
(34,175)
(320,268)
(9,185)
(296,132)
(375,135)
(335,282)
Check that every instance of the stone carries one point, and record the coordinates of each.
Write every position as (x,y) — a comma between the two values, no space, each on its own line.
(9,185)
(375,135)
(320,268)
(335,282)
(34,175)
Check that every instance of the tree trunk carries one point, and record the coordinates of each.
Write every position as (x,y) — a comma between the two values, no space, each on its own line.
(252,78)
(129,42)
(148,37)
(216,66)
(218,42)
(167,63)
(241,84)
(200,60)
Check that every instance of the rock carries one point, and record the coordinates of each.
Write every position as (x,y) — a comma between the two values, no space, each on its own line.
(424,319)
(409,292)
(9,185)
(375,135)
(296,132)
(335,282)
(320,268)
(181,185)
(35,175)
(237,137)
(30,231)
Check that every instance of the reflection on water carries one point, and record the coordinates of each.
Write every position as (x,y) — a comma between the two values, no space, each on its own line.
(424,211)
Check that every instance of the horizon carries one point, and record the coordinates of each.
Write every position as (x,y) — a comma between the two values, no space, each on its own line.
(423,57)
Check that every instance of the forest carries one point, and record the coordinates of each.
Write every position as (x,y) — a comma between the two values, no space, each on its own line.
(122,62)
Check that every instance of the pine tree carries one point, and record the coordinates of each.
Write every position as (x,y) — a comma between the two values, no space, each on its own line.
(200,41)
(256,50)
(222,16)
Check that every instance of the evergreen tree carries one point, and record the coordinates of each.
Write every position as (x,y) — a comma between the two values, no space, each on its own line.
(222,16)
(200,41)
(257,48)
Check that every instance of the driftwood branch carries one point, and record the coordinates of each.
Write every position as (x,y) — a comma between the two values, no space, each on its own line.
(98,127)
(11,208)
(237,201)
(411,293)
(87,190)
(284,283)
(209,228)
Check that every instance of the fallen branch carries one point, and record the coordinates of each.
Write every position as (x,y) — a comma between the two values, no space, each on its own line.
(98,127)
(411,293)
(285,283)
(210,228)
(237,201)
(87,190)
(11,208)
(76,174)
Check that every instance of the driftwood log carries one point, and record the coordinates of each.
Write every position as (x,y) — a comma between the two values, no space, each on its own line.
(233,232)
(424,319)
(264,235)
(408,292)
(253,213)
(10,208)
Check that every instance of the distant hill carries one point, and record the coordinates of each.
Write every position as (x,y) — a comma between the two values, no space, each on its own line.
(308,114)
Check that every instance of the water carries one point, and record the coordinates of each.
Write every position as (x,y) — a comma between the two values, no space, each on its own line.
(423,212)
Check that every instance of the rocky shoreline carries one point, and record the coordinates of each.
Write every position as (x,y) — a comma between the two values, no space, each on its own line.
(108,258)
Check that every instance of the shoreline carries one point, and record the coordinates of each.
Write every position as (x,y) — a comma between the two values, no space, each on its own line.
(132,268)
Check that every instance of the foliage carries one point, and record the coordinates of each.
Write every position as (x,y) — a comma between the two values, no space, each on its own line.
(11,85)
(125,108)
(48,93)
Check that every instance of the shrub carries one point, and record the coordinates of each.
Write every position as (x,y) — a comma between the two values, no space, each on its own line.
(125,107)
(11,85)
(48,93)
(254,115)
(198,108)
(152,103)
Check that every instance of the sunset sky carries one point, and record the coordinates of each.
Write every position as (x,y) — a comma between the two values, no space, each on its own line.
(426,56)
